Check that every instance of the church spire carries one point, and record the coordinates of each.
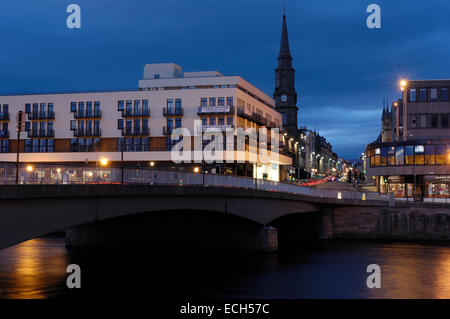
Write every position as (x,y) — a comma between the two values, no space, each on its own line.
(284,44)
(285,96)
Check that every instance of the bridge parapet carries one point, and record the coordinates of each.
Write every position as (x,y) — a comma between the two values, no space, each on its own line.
(95,176)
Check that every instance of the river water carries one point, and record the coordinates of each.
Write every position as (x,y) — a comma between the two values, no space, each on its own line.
(324,269)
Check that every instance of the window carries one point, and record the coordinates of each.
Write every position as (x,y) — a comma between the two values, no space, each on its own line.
(433,94)
(156,76)
(412,95)
(413,121)
(230,120)
(212,121)
(28,146)
(129,107)
(203,101)
(89,108)
(81,107)
(73,125)
(423,95)
(212,101)
(409,155)
(434,120)
(423,121)
(444,120)
(391,155)
(28,108)
(177,122)
(441,154)
(419,158)
(444,94)
(120,124)
(377,151)
(230,101)
(170,105)
(137,107)
(27,126)
(429,155)
(204,121)
(97,107)
(221,101)
(73,107)
(221,121)
(145,107)
(120,106)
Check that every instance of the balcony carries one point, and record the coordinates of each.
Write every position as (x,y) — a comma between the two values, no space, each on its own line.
(41,133)
(4,134)
(140,113)
(204,110)
(259,119)
(177,111)
(41,115)
(217,127)
(87,132)
(4,116)
(145,131)
(88,115)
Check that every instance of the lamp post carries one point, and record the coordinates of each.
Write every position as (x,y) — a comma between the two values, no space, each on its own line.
(19,129)
(121,161)
(403,87)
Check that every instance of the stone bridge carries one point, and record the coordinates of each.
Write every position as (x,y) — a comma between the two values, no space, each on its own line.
(194,216)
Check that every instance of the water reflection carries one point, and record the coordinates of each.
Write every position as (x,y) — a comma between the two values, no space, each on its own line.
(34,269)
(329,269)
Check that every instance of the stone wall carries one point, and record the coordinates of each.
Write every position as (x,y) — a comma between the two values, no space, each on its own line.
(419,223)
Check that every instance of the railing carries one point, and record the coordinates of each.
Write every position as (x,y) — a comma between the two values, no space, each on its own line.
(4,116)
(145,131)
(41,133)
(138,113)
(87,115)
(217,127)
(50,115)
(54,174)
(215,110)
(176,111)
(87,132)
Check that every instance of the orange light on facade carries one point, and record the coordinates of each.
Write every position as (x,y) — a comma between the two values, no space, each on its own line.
(152,164)
(29,168)
(104,161)
(196,169)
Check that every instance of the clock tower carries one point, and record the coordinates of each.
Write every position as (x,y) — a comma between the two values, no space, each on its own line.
(285,96)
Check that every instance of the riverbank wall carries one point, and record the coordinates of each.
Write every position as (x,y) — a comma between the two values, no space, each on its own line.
(419,222)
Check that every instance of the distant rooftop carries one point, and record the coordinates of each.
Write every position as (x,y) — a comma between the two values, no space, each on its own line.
(155,71)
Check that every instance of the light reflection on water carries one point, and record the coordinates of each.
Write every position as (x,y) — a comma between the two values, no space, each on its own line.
(329,269)
(33,269)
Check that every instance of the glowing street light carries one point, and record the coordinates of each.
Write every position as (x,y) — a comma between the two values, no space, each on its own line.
(29,168)
(196,169)
(152,164)
(403,84)
(104,161)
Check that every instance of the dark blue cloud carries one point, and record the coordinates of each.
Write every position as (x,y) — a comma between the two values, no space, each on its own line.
(344,70)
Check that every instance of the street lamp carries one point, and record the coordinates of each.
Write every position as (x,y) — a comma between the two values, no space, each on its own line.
(104,161)
(403,87)
(29,168)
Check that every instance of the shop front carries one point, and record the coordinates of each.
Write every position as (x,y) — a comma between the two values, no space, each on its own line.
(437,188)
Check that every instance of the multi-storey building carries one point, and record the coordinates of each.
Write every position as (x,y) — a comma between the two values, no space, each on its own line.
(411,157)
(136,125)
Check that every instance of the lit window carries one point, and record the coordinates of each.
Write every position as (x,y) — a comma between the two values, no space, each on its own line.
(412,95)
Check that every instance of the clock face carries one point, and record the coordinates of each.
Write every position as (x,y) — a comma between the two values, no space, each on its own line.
(283,98)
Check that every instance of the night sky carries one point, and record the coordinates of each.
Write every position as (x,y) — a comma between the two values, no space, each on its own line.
(343,69)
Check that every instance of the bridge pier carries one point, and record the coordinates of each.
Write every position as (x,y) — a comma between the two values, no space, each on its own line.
(165,233)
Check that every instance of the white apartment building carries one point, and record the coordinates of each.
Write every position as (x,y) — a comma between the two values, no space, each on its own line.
(86,127)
